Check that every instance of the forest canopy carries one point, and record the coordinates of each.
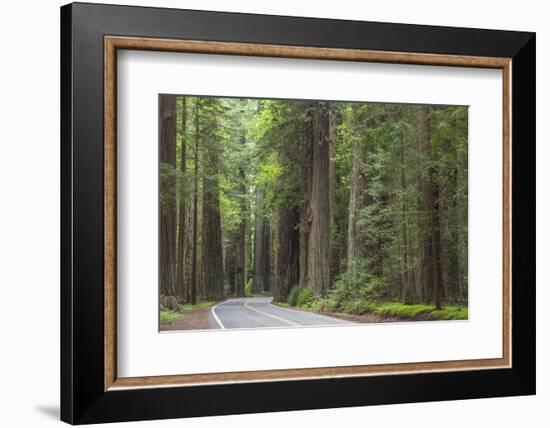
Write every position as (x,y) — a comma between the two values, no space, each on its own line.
(336,206)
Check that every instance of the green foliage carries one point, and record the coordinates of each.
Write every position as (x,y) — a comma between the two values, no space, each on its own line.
(293,296)
(450,313)
(202,304)
(313,304)
(304,296)
(167,316)
(357,283)
(229,207)
(168,182)
(401,310)
(266,182)
(282,304)
(428,312)
(250,154)
(248,288)
(362,306)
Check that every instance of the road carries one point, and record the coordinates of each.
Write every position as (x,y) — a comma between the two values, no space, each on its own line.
(259,312)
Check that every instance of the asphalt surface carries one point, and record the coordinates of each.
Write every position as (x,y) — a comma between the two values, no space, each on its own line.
(259,312)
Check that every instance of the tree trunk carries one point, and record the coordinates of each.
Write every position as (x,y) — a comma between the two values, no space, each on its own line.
(287,257)
(262,263)
(398,288)
(266,265)
(304,151)
(431,263)
(408,287)
(240,256)
(436,240)
(353,250)
(425,272)
(168,202)
(212,254)
(319,237)
(449,247)
(231,263)
(193,291)
(335,250)
(182,212)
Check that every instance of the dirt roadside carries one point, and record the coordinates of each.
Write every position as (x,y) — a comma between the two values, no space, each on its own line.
(194,319)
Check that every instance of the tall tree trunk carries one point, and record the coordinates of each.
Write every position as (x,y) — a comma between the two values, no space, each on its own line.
(182,212)
(193,291)
(398,288)
(436,239)
(449,246)
(461,208)
(431,264)
(240,256)
(262,263)
(304,151)
(266,265)
(319,237)
(425,273)
(231,263)
(352,210)
(168,202)
(212,254)
(287,265)
(408,287)
(335,247)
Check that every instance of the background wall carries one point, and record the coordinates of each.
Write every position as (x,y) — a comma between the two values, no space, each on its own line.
(29,216)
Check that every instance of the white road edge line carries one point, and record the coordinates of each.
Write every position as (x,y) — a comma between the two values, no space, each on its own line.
(213,310)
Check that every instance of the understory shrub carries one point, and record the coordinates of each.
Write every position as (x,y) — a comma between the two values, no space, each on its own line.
(167,316)
(300,297)
(429,312)
(248,287)
(293,296)
(304,296)
(314,304)
(356,291)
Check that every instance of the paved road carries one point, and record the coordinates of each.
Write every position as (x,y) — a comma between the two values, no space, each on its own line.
(258,312)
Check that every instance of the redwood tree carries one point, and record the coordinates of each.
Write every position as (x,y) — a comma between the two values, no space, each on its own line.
(287,261)
(211,239)
(262,261)
(168,199)
(182,212)
(319,237)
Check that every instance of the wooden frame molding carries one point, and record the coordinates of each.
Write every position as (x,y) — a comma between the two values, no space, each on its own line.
(113,43)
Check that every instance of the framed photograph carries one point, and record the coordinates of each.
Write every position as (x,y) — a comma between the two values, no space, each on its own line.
(273,213)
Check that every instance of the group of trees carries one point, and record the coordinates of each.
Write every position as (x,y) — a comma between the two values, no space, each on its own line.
(354,198)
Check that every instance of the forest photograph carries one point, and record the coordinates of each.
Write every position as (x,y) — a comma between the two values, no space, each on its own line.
(297,213)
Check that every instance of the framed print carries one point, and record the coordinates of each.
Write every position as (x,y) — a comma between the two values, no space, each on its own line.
(273,213)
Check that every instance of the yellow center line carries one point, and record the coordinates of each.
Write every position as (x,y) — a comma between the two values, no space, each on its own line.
(248,306)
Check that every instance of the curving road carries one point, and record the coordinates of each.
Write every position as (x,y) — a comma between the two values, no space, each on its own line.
(258,312)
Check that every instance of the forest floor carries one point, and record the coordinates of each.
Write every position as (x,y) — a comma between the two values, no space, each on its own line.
(189,317)
(194,319)
(355,318)
(365,318)
(373,312)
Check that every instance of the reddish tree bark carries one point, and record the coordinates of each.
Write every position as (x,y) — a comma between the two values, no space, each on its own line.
(182,212)
(319,237)
(168,200)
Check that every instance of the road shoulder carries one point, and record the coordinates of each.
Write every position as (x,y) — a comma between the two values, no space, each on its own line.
(358,319)
(194,319)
